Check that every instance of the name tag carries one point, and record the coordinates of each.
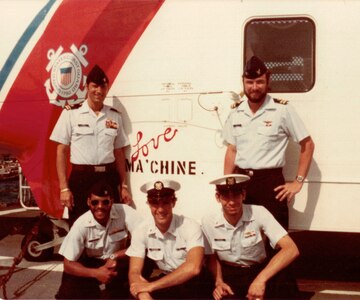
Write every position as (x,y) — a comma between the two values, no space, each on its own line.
(237,125)
(220,240)
(83,125)
(179,249)
(154,249)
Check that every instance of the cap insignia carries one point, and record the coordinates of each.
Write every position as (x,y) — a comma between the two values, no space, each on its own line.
(230,181)
(158,185)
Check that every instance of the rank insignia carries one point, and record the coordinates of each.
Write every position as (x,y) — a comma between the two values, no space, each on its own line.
(249,234)
(281,101)
(268,123)
(111,124)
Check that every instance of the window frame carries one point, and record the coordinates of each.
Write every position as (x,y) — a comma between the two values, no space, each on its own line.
(312,68)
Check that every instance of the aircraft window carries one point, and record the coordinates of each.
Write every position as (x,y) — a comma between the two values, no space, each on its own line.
(287,46)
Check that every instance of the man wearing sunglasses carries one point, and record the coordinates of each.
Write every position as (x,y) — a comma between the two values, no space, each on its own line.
(236,250)
(175,243)
(94,248)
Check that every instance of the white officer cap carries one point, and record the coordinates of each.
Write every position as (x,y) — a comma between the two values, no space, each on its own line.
(160,188)
(230,183)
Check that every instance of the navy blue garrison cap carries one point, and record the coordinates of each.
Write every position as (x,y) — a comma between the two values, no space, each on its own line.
(101,189)
(97,75)
(254,68)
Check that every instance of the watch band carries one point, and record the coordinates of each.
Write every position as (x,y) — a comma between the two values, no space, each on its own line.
(300,178)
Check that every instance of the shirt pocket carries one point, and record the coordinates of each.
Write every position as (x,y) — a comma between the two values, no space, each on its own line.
(180,251)
(253,246)
(80,131)
(238,130)
(95,247)
(108,136)
(119,238)
(268,136)
(250,238)
(268,131)
(220,244)
(155,253)
(112,132)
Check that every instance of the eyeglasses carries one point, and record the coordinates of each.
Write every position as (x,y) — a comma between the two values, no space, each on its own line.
(105,202)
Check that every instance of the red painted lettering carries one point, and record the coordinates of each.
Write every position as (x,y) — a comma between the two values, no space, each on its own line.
(145,148)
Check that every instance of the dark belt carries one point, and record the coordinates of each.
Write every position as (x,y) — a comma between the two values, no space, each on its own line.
(94,168)
(232,264)
(258,172)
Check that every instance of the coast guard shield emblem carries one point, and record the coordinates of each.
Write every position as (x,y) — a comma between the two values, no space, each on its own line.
(66,82)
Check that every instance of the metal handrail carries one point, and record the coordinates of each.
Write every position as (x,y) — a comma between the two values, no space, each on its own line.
(25,192)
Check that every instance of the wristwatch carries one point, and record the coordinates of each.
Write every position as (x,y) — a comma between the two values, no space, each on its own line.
(112,256)
(300,179)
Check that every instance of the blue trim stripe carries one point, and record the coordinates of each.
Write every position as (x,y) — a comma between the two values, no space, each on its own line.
(15,53)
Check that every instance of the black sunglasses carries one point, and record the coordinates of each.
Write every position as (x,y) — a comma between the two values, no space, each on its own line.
(105,202)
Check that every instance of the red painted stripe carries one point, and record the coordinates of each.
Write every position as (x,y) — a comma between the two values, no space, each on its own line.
(109,29)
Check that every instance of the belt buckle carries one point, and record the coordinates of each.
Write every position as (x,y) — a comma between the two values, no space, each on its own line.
(99,168)
(245,266)
(250,173)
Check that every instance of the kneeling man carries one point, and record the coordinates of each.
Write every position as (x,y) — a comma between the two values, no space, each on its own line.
(175,243)
(236,246)
(94,248)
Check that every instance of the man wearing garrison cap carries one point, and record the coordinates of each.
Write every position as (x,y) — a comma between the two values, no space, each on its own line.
(92,134)
(94,248)
(235,246)
(175,244)
(257,133)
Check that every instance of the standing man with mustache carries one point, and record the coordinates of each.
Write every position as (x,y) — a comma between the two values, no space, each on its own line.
(257,133)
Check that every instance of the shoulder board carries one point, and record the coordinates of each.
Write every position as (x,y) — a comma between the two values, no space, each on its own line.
(115,110)
(236,104)
(73,106)
(281,101)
